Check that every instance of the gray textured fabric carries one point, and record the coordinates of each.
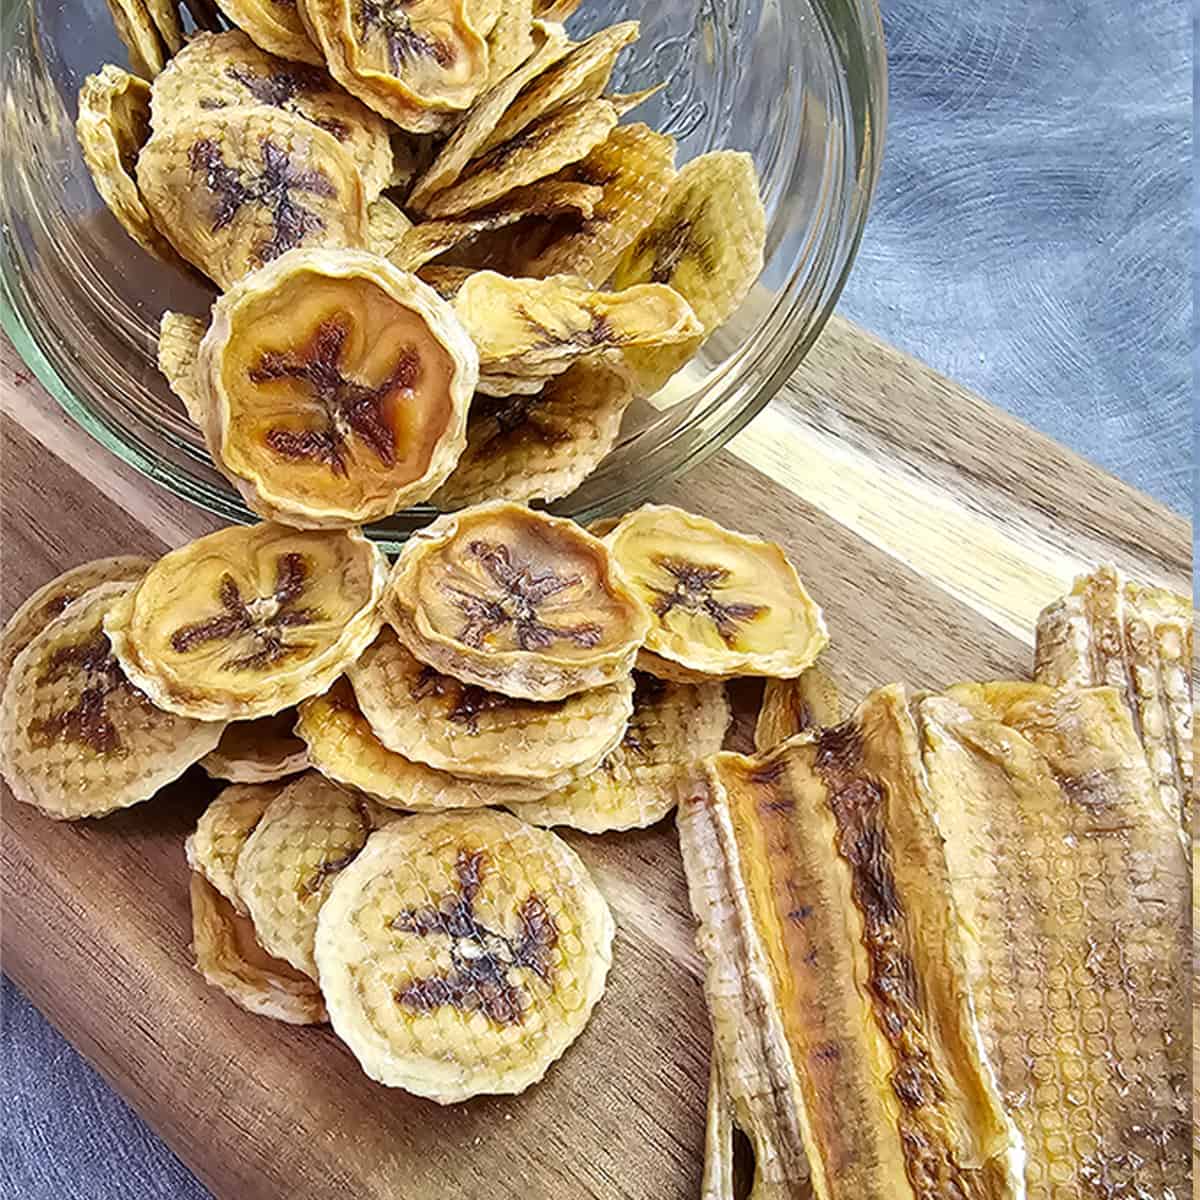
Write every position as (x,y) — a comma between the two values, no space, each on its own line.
(1030,239)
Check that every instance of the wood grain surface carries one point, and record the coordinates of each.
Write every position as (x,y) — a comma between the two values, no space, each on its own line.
(931,527)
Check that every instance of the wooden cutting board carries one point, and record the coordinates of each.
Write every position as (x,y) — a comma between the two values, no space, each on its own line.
(931,527)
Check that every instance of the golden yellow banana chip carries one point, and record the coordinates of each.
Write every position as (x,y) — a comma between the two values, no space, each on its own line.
(235,188)
(164,15)
(229,957)
(554,10)
(541,446)
(135,28)
(222,831)
(810,701)
(723,603)
(179,338)
(511,40)
(483,15)
(249,620)
(386,226)
(337,388)
(445,280)
(515,601)
(462,953)
(674,726)
(275,25)
(77,738)
(258,751)
(312,830)
(458,727)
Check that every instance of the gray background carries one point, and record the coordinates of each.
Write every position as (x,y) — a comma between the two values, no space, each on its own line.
(1030,239)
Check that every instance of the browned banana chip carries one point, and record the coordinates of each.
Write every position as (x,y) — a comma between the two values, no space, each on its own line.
(312,830)
(445,280)
(229,957)
(515,601)
(275,25)
(387,226)
(674,726)
(135,28)
(465,729)
(462,953)
(226,824)
(543,446)
(723,603)
(546,146)
(113,126)
(237,187)
(179,338)
(343,747)
(224,70)
(511,40)
(249,620)
(77,738)
(258,751)
(790,706)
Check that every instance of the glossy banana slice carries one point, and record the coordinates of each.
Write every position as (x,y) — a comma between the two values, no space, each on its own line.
(135,28)
(229,957)
(222,831)
(179,338)
(434,719)
(350,408)
(312,830)
(249,620)
(226,70)
(275,25)
(543,446)
(655,767)
(723,603)
(792,706)
(235,188)
(462,953)
(258,751)
(515,601)
(77,738)
(386,226)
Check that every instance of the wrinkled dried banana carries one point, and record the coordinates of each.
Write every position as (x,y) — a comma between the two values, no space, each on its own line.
(258,751)
(791,706)
(213,847)
(277,26)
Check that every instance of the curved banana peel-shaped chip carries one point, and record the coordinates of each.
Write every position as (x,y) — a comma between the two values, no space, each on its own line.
(221,833)
(258,751)
(810,701)
(179,338)
(278,28)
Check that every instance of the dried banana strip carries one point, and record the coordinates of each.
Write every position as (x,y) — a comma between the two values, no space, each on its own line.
(387,226)
(135,28)
(718,1181)
(654,768)
(515,601)
(258,751)
(249,620)
(221,833)
(1073,881)
(462,953)
(791,706)
(277,26)
(836,981)
(77,737)
(164,14)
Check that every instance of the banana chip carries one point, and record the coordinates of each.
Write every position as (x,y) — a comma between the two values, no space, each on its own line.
(723,603)
(511,40)
(77,738)
(483,15)
(810,701)
(348,407)
(258,751)
(237,187)
(229,957)
(445,280)
(554,10)
(462,953)
(461,728)
(222,831)
(387,226)
(312,830)
(515,601)
(543,446)
(275,25)
(674,726)
(179,338)
(249,620)
(135,28)
(164,15)
(502,387)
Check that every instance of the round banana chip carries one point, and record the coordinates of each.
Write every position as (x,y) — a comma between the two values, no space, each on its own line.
(723,603)
(179,338)
(674,726)
(112,127)
(543,446)
(226,70)
(337,388)
(312,830)
(275,25)
(515,601)
(462,953)
(237,187)
(229,957)
(77,738)
(249,620)
(434,719)
(258,751)
(135,28)
(343,746)
(220,835)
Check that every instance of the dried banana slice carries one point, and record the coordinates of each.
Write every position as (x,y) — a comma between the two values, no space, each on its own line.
(77,738)
(511,40)
(164,14)
(674,726)
(836,981)
(135,28)
(387,226)
(554,10)
(445,280)
(723,603)
(352,407)
(229,957)
(225,70)
(548,145)
(515,601)
(179,338)
(312,830)
(275,25)
(237,187)
(222,831)
(791,706)
(112,127)
(343,747)
(543,446)
(483,15)
(462,953)
(258,751)
(52,599)
(249,620)
(458,727)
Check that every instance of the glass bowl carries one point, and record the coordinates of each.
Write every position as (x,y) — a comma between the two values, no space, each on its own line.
(801,84)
